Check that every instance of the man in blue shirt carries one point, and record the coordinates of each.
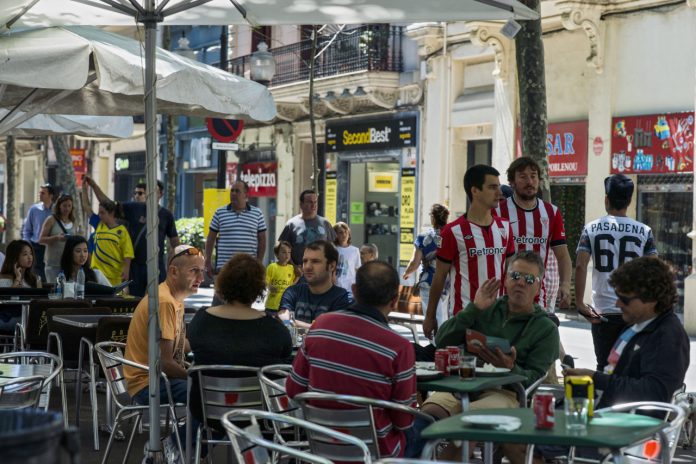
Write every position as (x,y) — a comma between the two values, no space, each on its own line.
(317,294)
(31,229)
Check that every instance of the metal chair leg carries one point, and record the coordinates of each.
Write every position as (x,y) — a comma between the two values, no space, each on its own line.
(94,400)
(130,440)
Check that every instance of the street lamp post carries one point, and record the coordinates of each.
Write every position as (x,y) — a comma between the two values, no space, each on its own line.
(262,65)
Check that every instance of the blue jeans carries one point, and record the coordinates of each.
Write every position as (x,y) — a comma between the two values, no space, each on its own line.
(179,395)
(414,442)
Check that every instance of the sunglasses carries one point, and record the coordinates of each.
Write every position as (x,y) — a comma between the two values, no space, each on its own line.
(626,300)
(138,192)
(193,251)
(530,279)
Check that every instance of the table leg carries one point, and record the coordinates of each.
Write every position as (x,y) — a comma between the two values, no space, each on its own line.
(488,452)
(464,398)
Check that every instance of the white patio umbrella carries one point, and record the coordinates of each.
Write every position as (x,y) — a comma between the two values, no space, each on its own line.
(59,124)
(222,12)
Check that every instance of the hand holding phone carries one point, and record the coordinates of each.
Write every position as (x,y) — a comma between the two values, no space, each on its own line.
(596,315)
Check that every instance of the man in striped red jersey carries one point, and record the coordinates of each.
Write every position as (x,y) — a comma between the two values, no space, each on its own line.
(473,247)
(354,352)
(536,224)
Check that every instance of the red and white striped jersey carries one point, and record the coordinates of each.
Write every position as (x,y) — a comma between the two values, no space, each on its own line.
(538,229)
(476,253)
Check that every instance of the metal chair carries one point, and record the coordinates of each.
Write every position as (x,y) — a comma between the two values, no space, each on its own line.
(51,369)
(21,393)
(109,329)
(358,422)
(272,379)
(35,334)
(222,389)
(111,358)
(250,447)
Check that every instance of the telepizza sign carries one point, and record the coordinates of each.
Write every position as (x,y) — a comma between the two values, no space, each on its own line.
(262,178)
(653,144)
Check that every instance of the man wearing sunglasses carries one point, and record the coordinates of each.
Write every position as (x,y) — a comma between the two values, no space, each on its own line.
(532,336)
(609,242)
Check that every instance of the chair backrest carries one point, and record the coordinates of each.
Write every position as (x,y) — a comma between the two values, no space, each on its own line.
(47,365)
(224,388)
(118,305)
(22,392)
(70,335)
(250,447)
(668,437)
(113,329)
(358,421)
(111,359)
(272,379)
(36,330)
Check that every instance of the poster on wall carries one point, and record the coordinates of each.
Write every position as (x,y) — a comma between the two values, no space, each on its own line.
(653,144)
(79,162)
(407,220)
(566,148)
(330,196)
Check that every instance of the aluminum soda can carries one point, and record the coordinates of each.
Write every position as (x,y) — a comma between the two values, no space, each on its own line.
(453,363)
(442,360)
(544,412)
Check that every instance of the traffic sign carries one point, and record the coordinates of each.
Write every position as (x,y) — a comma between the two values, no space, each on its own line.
(224,130)
(225,146)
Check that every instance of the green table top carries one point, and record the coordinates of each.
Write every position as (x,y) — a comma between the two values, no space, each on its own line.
(453,384)
(611,430)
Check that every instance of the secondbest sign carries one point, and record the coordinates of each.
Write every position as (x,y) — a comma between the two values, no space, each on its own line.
(391,133)
(261,178)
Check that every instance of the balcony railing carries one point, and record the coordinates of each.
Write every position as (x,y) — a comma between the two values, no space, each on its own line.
(365,48)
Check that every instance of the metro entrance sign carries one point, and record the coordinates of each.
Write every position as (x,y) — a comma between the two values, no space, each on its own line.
(224,130)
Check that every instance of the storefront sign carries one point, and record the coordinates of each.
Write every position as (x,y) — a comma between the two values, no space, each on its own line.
(122,164)
(330,196)
(407,215)
(261,178)
(390,133)
(212,200)
(357,212)
(566,148)
(653,144)
(79,163)
(383,181)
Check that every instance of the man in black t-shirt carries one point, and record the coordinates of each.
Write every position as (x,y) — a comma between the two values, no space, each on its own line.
(135,213)
(317,294)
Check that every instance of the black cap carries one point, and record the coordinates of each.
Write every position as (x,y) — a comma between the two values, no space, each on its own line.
(618,187)
(507,190)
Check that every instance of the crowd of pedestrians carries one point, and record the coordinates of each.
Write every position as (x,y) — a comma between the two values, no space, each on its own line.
(501,269)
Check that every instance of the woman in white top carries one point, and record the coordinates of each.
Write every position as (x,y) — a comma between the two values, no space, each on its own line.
(348,257)
(56,229)
(16,270)
(76,256)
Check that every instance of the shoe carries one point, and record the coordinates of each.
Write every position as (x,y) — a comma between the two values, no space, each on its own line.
(569,361)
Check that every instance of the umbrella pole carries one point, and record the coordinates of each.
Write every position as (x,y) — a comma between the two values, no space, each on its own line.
(154,450)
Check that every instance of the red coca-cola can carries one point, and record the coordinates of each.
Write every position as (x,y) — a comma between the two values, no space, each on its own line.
(453,363)
(544,412)
(442,360)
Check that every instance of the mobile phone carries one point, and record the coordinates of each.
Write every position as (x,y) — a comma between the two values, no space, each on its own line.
(596,315)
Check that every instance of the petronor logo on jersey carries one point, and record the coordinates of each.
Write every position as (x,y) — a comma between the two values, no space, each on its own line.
(468,237)
(524,240)
(486,251)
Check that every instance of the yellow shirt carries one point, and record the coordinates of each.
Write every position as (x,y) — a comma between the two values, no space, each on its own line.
(171,318)
(111,247)
(280,277)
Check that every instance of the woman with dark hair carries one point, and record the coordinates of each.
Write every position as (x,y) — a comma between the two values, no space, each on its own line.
(55,230)
(234,333)
(16,270)
(113,249)
(75,256)
(425,248)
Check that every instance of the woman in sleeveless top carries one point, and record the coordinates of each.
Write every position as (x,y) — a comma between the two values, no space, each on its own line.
(56,229)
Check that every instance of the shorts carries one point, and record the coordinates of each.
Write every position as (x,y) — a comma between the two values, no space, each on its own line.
(487,399)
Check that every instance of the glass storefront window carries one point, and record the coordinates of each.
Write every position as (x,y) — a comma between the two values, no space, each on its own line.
(667,209)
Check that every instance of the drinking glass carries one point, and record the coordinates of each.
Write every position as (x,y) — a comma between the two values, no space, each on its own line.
(576,414)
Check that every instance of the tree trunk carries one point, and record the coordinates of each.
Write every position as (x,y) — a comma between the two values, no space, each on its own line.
(12,223)
(529,51)
(66,173)
(172,175)
(312,124)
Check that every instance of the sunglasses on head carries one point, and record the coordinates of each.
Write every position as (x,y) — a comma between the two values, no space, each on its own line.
(530,279)
(626,300)
(193,251)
